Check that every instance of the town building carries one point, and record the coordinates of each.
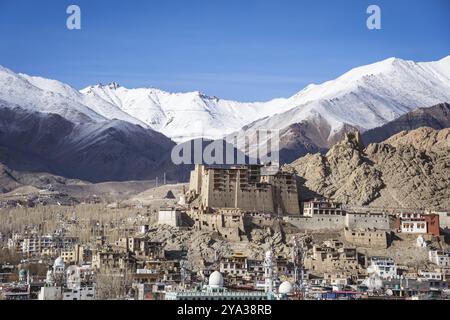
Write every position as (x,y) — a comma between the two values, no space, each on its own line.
(322,207)
(141,246)
(215,290)
(332,255)
(114,261)
(439,258)
(229,223)
(418,223)
(74,255)
(73,283)
(383,267)
(241,270)
(368,238)
(170,216)
(431,275)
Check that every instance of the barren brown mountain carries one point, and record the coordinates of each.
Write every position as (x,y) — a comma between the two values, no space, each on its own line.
(409,170)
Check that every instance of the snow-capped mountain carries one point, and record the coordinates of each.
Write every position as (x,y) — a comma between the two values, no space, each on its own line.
(110,150)
(51,96)
(105,133)
(184,116)
(368,96)
(365,98)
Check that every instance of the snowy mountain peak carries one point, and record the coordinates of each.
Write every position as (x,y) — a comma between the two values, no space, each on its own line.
(368,96)
(364,97)
(114,85)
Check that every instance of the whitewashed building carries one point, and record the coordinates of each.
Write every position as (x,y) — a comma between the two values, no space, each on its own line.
(439,258)
(431,275)
(170,216)
(384,267)
(418,226)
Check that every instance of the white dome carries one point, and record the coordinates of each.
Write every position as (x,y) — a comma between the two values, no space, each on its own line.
(216,280)
(285,288)
(59,262)
(73,270)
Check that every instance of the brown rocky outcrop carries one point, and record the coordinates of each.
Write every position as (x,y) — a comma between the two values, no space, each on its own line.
(410,170)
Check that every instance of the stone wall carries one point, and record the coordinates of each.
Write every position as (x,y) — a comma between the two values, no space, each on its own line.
(228,223)
(332,222)
(367,238)
(356,221)
(317,222)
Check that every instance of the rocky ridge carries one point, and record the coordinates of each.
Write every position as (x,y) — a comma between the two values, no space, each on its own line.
(409,170)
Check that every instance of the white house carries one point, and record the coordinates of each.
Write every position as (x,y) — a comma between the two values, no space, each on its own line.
(170,216)
(418,226)
(440,258)
(431,275)
(384,267)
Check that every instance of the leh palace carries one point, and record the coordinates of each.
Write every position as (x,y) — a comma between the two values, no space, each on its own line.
(227,200)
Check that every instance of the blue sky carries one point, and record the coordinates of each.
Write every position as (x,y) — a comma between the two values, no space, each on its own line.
(236,49)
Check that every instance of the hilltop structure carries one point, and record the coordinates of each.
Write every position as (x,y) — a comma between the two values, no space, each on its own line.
(254,188)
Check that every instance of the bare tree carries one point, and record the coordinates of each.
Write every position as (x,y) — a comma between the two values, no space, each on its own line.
(112,284)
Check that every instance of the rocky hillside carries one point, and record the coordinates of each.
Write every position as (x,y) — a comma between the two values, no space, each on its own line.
(436,117)
(410,170)
(11,180)
(112,150)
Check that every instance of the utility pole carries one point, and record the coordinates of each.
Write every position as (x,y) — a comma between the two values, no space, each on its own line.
(298,256)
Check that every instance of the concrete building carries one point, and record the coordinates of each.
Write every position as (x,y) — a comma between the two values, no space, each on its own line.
(34,245)
(50,292)
(170,216)
(431,275)
(73,288)
(353,221)
(320,207)
(241,270)
(439,258)
(141,246)
(74,255)
(112,260)
(247,188)
(417,223)
(383,267)
(332,255)
(215,290)
(159,271)
(82,292)
(338,278)
(357,220)
(413,226)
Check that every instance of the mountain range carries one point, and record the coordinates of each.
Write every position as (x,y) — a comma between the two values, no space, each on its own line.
(109,132)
